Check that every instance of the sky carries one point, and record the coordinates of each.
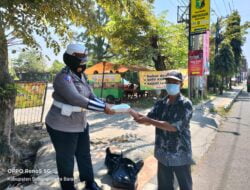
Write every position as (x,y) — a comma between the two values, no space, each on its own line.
(221,8)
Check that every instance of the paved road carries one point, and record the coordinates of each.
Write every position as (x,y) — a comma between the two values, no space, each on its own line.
(226,166)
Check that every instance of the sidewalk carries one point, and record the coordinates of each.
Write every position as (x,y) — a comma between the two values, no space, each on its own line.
(136,142)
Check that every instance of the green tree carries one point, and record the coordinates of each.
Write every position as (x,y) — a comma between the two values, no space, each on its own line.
(56,67)
(235,34)
(129,33)
(145,39)
(172,44)
(216,38)
(127,30)
(23,20)
(30,61)
(224,63)
(97,45)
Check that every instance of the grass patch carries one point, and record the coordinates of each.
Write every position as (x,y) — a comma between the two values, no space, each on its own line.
(222,112)
(196,101)
(213,110)
(210,96)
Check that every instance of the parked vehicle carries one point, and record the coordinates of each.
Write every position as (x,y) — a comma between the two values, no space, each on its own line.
(248,83)
(109,86)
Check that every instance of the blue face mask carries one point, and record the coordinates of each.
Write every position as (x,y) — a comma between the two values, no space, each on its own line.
(173,89)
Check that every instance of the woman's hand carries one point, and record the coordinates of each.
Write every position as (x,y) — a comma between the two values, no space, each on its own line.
(108,109)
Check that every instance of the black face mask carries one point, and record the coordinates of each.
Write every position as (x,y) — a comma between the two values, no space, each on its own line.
(72,62)
(83,67)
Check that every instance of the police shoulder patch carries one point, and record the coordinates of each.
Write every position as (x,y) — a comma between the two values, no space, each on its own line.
(67,78)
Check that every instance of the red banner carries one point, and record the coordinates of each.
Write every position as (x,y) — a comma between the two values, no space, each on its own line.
(195,63)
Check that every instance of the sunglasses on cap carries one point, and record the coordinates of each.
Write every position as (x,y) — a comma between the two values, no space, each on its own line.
(80,55)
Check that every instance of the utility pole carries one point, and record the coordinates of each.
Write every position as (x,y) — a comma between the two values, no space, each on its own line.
(184,16)
(190,79)
(194,20)
(193,85)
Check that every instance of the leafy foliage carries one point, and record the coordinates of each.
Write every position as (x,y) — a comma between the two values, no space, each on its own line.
(128,29)
(224,63)
(235,34)
(56,67)
(31,61)
(7,92)
(173,43)
(228,31)
(98,46)
(26,19)
(142,40)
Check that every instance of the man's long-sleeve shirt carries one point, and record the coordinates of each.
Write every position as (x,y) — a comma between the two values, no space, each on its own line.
(173,148)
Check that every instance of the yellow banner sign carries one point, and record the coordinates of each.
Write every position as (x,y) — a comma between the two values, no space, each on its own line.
(108,78)
(155,80)
(200,16)
(30,94)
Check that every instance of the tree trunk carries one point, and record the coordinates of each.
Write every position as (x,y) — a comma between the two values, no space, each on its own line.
(230,83)
(214,84)
(8,153)
(226,82)
(158,58)
(159,63)
(222,85)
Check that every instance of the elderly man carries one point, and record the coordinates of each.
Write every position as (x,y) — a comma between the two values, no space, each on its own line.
(171,117)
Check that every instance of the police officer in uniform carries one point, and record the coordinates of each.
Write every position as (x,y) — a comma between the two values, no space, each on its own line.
(66,121)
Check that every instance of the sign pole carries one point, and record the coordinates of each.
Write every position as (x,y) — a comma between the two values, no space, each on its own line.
(199,21)
(104,63)
(190,85)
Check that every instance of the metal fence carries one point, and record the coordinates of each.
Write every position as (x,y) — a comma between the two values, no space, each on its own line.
(30,102)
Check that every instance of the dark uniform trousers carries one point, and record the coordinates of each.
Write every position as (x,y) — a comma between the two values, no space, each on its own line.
(166,177)
(67,146)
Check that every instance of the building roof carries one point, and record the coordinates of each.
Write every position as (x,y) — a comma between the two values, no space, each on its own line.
(114,68)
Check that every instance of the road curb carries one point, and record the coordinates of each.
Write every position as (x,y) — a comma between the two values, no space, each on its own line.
(228,107)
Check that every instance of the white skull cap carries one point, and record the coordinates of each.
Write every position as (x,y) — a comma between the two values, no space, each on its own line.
(75,48)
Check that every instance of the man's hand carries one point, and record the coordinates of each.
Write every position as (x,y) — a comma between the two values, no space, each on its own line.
(139,118)
(142,120)
(108,109)
(133,113)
